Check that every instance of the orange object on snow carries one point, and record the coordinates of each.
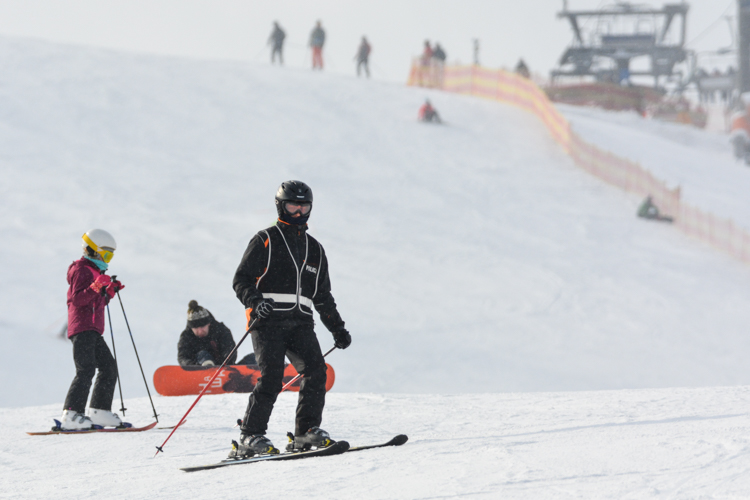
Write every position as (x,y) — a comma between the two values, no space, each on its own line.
(186,380)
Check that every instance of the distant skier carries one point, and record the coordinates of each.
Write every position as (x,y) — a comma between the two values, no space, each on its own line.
(89,292)
(522,69)
(427,52)
(317,40)
(438,55)
(205,341)
(739,135)
(281,277)
(363,56)
(276,40)
(427,113)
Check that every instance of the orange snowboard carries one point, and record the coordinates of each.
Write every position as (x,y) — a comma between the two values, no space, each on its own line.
(186,380)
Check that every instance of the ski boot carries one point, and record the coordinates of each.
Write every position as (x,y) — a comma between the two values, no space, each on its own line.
(314,438)
(105,418)
(72,421)
(251,445)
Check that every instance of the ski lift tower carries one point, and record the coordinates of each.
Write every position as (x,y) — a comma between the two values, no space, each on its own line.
(607,40)
(743,54)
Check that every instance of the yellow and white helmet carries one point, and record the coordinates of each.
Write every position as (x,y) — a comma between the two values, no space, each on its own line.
(101,242)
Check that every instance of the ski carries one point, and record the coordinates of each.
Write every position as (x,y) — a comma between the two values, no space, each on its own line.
(170,427)
(58,430)
(336,448)
(396,441)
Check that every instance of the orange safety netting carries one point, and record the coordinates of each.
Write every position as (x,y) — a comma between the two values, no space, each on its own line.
(507,87)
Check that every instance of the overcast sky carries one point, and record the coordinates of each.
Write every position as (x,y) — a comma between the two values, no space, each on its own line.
(238,29)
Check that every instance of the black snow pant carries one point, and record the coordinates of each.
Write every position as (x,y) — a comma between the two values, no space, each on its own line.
(363,63)
(90,352)
(299,343)
(277,49)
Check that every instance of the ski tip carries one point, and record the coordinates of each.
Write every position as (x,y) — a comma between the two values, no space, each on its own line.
(399,440)
(342,445)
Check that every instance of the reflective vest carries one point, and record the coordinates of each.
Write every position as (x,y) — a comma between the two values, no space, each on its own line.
(290,285)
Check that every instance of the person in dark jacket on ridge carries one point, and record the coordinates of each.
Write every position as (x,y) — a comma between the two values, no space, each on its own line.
(439,54)
(282,276)
(205,341)
(363,56)
(89,293)
(276,40)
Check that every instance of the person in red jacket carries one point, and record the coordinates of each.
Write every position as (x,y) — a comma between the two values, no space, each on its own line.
(89,292)
(317,40)
(427,113)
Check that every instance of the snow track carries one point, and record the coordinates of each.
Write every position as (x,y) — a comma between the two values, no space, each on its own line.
(649,443)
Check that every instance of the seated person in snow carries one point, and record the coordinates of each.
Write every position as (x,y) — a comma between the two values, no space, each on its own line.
(648,210)
(205,341)
(427,113)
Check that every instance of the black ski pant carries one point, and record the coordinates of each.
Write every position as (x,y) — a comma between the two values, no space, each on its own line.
(299,343)
(363,63)
(90,352)
(277,49)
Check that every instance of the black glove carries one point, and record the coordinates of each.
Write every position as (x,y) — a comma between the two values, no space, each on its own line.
(342,338)
(263,308)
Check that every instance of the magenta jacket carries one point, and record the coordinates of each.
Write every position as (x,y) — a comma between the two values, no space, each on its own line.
(85,307)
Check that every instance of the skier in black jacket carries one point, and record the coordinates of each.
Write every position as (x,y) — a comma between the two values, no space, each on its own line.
(204,341)
(283,275)
(276,40)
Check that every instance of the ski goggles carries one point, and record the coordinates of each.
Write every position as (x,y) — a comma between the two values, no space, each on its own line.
(292,207)
(105,253)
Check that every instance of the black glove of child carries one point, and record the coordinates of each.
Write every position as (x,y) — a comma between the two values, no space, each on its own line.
(342,338)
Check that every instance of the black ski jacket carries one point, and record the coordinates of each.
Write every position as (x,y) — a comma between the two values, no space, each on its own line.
(219,343)
(286,264)
(277,38)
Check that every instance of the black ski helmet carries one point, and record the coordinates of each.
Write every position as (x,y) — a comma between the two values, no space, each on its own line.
(293,191)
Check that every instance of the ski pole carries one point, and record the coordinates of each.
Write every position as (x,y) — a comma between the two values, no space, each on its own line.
(117,369)
(136,353)
(289,384)
(249,328)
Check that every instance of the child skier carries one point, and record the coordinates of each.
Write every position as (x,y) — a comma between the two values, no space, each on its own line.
(90,291)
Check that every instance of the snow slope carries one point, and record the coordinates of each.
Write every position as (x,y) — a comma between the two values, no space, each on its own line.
(472,257)
(700,162)
(470,261)
(648,443)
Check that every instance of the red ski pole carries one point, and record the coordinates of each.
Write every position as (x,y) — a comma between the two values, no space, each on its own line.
(249,328)
(289,384)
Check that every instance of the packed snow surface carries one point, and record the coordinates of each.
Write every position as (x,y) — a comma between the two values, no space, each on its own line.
(647,443)
(473,263)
